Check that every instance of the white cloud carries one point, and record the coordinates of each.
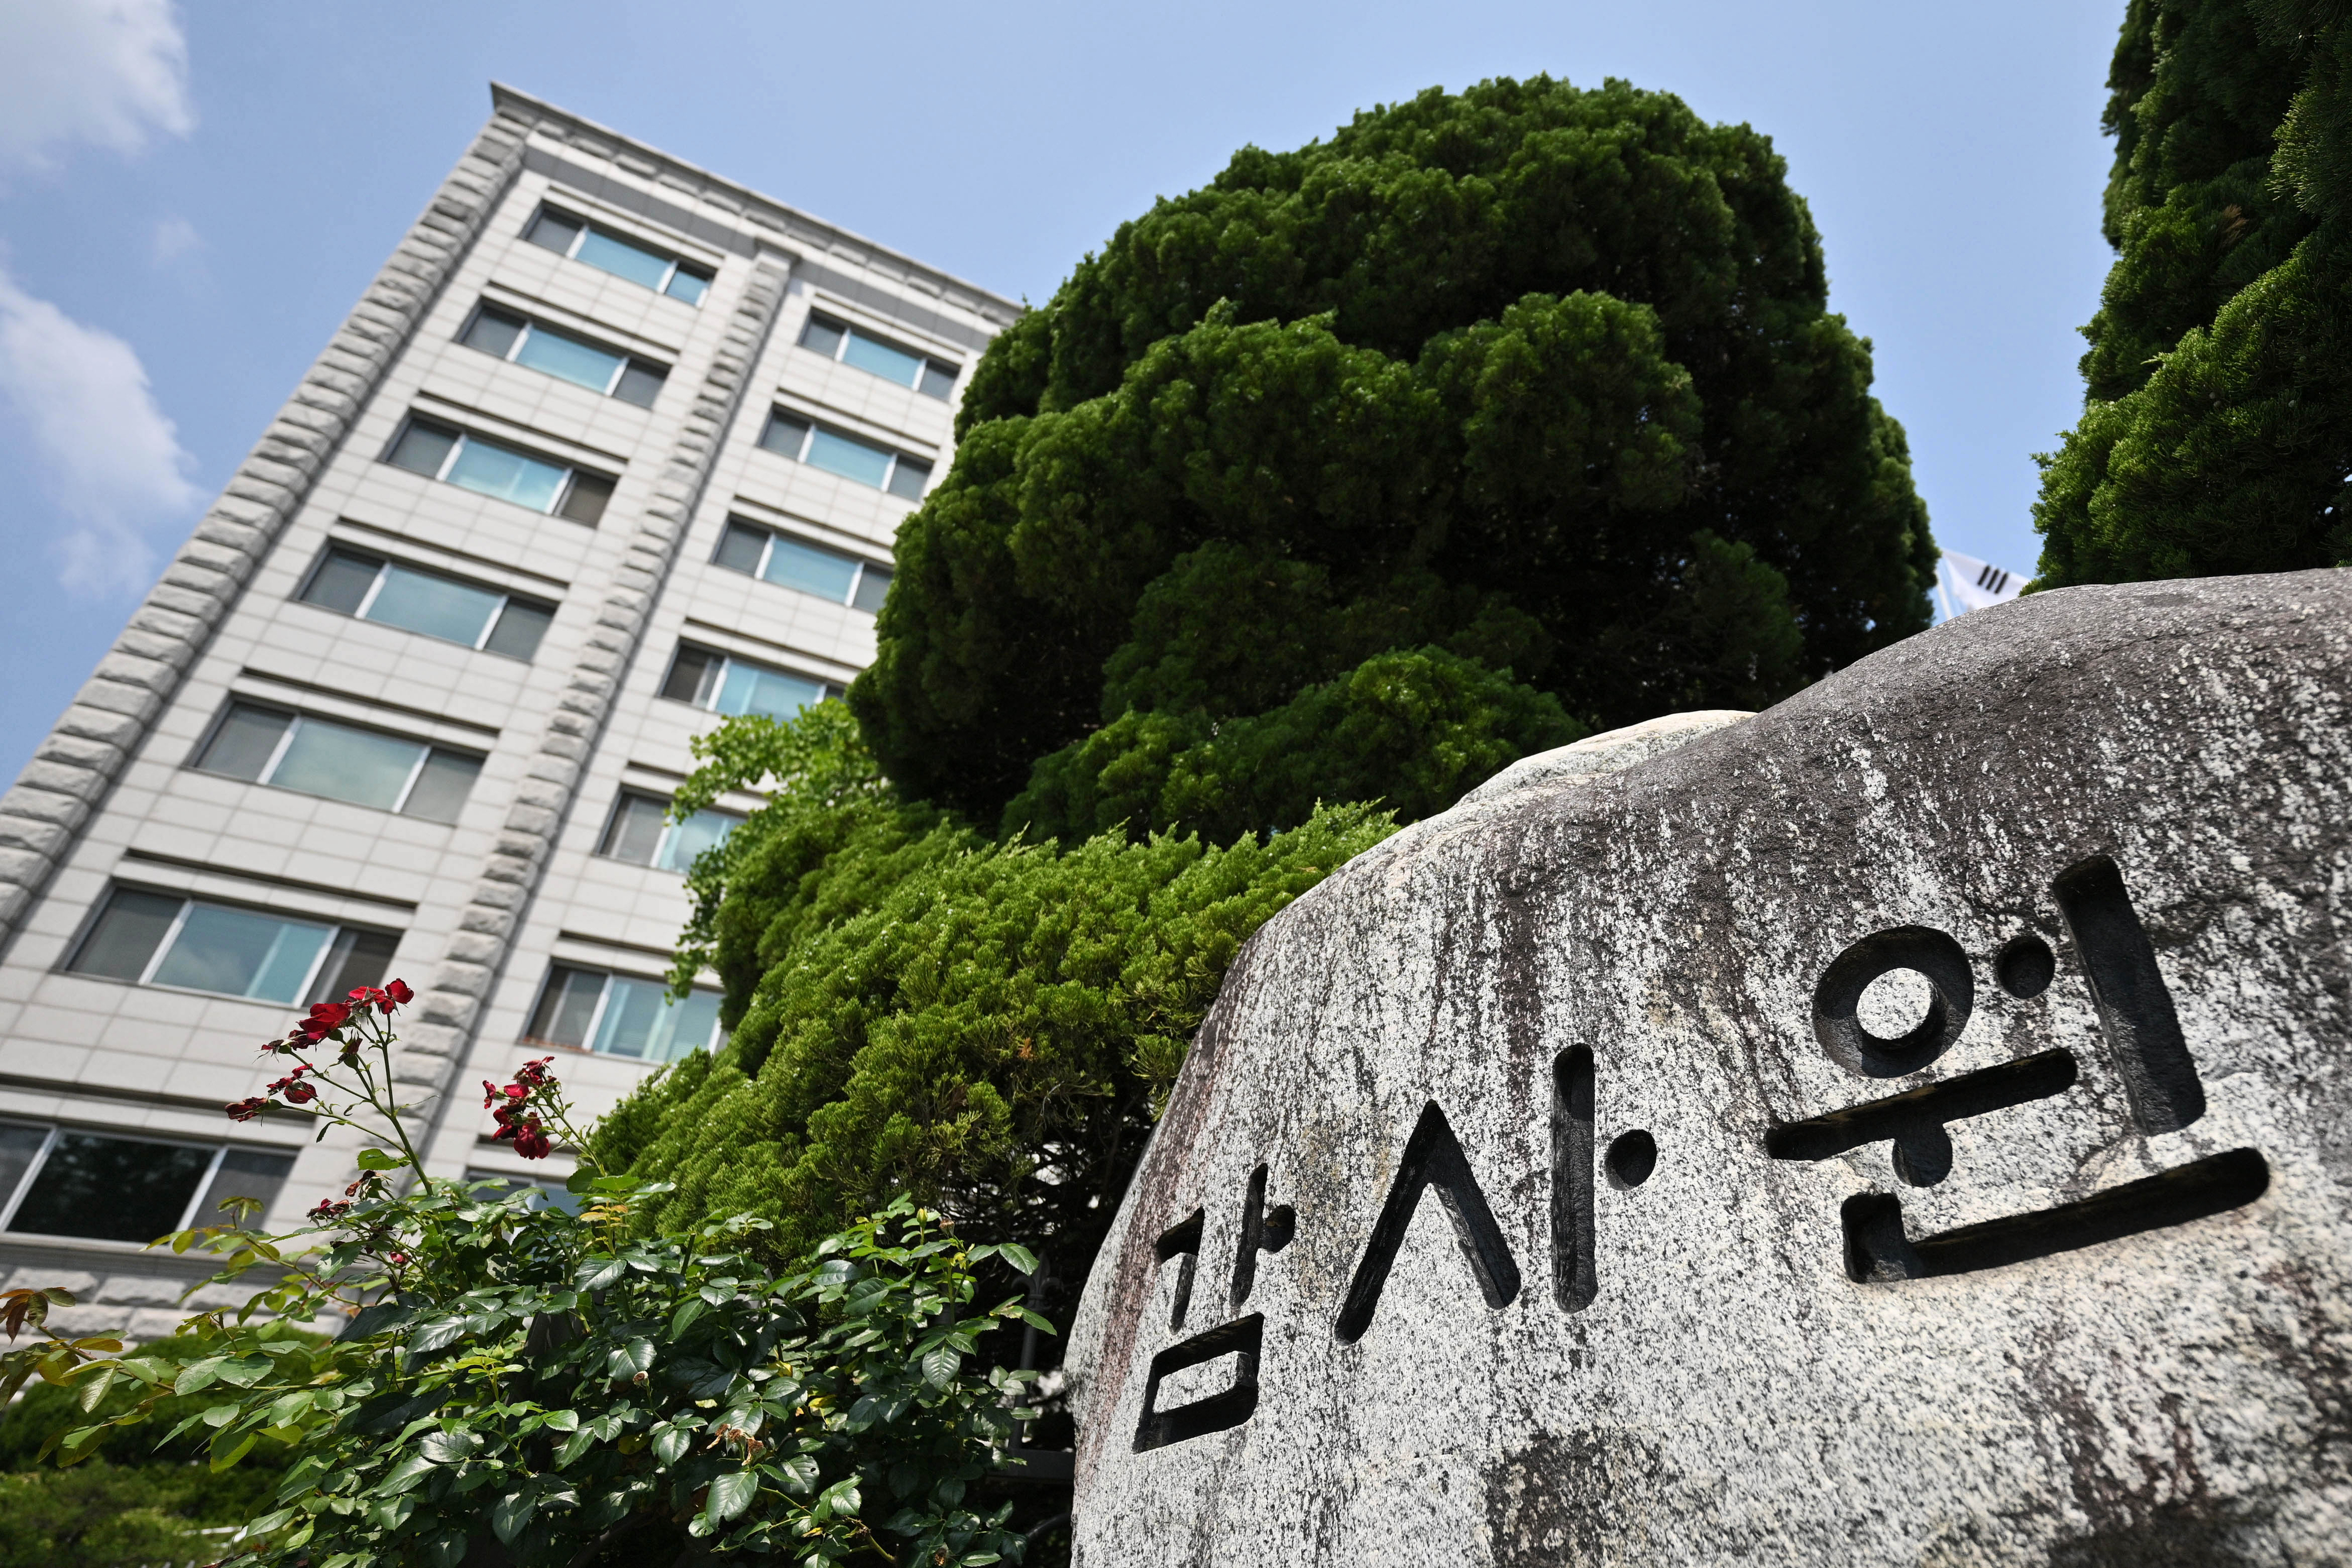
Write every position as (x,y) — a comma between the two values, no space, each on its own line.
(112,72)
(113,462)
(175,237)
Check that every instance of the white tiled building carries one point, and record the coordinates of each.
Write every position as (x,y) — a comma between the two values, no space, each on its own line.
(610,446)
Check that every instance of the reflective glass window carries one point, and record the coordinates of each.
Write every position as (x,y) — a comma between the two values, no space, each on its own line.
(242,953)
(640,384)
(506,474)
(685,840)
(848,456)
(422,448)
(554,230)
(122,940)
(882,358)
(809,568)
(246,742)
(634,833)
(494,331)
(441,787)
(20,1145)
(584,501)
(568,358)
(873,585)
(640,1021)
(623,259)
(754,688)
(242,1173)
(111,1189)
(908,479)
(567,1008)
(784,434)
(343,581)
(346,763)
(688,284)
(740,548)
(520,626)
(435,605)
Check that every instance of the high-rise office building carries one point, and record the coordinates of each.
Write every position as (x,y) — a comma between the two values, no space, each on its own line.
(610,448)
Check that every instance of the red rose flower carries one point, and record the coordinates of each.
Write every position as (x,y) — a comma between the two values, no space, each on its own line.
(400,994)
(533,1145)
(301,1093)
(247,1109)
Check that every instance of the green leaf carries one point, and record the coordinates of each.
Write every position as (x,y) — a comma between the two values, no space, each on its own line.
(380,1160)
(595,1273)
(940,1366)
(223,1458)
(448,1447)
(581,1181)
(446,1548)
(93,1388)
(438,1333)
(671,1443)
(512,1513)
(405,1474)
(561,1421)
(574,1446)
(683,1318)
(1020,1257)
(730,1494)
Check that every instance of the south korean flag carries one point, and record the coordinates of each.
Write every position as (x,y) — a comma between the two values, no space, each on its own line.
(1966,583)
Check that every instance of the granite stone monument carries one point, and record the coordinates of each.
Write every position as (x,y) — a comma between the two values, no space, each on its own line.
(1913,1124)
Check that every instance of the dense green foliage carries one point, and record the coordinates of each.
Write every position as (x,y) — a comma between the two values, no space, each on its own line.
(1496,416)
(137,1503)
(526,1384)
(2217,431)
(916,1010)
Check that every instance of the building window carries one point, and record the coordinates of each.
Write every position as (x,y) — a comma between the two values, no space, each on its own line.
(820,447)
(731,686)
(58,1181)
(812,568)
(374,589)
(641,832)
(523,342)
(602,248)
(614,1015)
(164,939)
(341,761)
(855,346)
(488,467)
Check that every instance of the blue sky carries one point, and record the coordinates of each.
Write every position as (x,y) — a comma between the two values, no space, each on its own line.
(192,197)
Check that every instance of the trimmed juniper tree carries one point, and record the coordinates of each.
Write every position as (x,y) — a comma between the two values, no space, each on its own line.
(2217,426)
(1497,416)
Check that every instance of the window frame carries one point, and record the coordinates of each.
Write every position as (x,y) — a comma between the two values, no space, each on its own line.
(585,224)
(188,902)
(399,808)
(596,1015)
(383,565)
(532,324)
(10,1203)
(572,472)
(779,415)
(768,538)
(924,358)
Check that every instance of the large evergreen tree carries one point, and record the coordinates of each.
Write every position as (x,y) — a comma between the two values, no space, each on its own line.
(1372,466)
(2216,428)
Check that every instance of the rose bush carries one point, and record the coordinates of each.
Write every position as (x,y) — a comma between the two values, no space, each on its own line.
(516,1373)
